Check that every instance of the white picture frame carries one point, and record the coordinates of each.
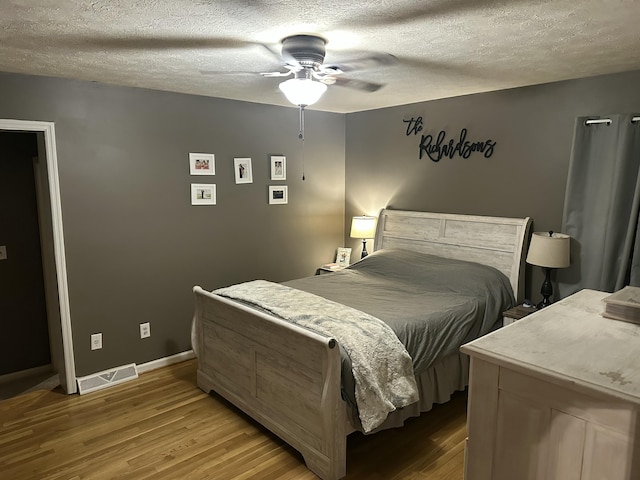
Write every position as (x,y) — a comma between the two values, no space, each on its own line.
(278,167)
(202,164)
(278,194)
(343,256)
(242,169)
(203,194)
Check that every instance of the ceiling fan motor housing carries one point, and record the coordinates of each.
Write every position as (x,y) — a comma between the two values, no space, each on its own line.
(307,50)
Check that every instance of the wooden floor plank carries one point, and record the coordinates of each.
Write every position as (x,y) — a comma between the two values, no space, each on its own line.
(160,426)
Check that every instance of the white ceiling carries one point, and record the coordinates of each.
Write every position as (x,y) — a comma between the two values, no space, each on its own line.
(444,48)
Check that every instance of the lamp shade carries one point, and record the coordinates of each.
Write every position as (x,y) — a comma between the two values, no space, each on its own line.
(549,251)
(302,91)
(363,227)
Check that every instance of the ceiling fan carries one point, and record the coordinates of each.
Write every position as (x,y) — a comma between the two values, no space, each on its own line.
(303,57)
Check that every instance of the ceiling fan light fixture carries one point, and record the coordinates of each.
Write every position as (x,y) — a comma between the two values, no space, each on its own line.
(303,91)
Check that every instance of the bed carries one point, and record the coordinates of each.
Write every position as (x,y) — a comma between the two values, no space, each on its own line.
(296,380)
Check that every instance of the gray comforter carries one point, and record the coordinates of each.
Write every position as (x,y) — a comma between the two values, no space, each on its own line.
(433,304)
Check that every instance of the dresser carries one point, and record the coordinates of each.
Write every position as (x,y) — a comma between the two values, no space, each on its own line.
(556,396)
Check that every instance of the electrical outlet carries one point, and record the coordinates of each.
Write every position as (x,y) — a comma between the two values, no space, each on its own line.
(96,341)
(145,330)
(3,252)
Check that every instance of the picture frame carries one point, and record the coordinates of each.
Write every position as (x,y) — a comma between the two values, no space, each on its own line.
(343,256)
(203,194)
(242,169)
(202,164)
(278,194)
(278,167)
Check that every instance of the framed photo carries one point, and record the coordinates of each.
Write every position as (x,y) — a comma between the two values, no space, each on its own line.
(343,257)
(203,194)
(202,164)
(278,167)
(278,194)
(242,167)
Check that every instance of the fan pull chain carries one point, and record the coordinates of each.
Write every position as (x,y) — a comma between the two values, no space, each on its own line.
(301,133)
(301,137)
(303,159)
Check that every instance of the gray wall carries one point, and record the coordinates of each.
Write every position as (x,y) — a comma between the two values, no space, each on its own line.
(525,176)
(134,244)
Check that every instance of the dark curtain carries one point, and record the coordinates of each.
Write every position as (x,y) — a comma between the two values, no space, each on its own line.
(601,206)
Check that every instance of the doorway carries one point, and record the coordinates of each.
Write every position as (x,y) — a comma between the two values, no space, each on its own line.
(53,253)
(24,333)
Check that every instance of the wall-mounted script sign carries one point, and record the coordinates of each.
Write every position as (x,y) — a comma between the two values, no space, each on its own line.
(438,147)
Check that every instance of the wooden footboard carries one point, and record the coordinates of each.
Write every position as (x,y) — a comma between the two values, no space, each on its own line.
(287,378)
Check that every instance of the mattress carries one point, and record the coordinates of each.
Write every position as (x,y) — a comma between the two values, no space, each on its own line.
(433,304)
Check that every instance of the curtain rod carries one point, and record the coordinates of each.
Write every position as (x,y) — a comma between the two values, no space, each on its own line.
(598,120)
(608,120)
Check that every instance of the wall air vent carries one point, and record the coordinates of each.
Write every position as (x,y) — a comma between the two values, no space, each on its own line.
(107,378)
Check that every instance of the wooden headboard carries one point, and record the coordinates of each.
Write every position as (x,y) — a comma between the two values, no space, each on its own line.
(495,241)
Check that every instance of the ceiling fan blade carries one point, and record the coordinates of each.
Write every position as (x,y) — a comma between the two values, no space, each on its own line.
(275,53)
(401,14)
(276,74)
(228,72)
(289,60)
(435,67)
(156,43)
(371,61)
(357,84)
(244,72)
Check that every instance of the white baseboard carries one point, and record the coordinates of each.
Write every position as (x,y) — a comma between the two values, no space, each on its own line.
(10,377)
(166,361)
(110,377)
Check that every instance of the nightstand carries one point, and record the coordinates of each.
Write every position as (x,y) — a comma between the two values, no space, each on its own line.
(516,313)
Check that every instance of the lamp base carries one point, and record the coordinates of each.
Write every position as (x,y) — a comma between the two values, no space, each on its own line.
(544,303)
(364,249)
(547,289)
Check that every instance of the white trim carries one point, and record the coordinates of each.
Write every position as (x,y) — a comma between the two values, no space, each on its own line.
(48,129)
(166,361)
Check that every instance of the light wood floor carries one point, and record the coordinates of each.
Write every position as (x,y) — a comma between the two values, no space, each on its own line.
(161,426)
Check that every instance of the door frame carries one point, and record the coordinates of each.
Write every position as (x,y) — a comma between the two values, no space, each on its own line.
(68,376)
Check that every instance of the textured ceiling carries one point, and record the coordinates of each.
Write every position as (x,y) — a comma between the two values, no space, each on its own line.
(444,48)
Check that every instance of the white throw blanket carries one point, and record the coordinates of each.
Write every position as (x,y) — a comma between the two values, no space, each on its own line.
(382,368)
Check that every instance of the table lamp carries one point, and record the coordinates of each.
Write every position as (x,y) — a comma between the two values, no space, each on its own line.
(363,227)
(548,250)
